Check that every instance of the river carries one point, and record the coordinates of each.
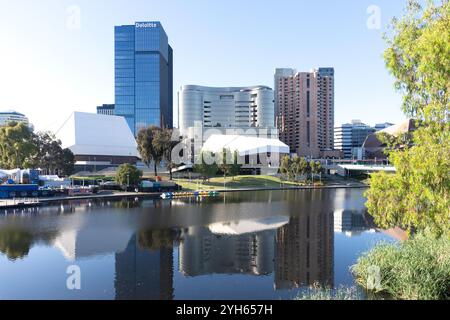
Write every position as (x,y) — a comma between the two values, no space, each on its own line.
(242,245)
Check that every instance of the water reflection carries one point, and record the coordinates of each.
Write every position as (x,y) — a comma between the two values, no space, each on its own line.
(284,240)
(144,273)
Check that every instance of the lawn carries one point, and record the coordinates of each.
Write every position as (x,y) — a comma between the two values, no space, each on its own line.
(238,182)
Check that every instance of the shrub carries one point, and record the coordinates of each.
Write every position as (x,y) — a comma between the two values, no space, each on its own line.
(418,268)
(128,174)
(317,292)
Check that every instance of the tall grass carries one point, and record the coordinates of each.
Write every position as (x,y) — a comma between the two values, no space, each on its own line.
(418,268)
(317,292)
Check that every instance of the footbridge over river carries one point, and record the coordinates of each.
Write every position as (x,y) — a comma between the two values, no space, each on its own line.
(347,168)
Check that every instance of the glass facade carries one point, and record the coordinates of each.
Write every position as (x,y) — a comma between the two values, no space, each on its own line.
(143,75)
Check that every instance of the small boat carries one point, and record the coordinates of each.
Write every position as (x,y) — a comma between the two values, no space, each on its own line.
(171,195)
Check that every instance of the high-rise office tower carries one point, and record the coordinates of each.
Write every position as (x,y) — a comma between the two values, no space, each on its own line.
(106,109)
(229,107)
(143,75)
(304,107)
(349,137)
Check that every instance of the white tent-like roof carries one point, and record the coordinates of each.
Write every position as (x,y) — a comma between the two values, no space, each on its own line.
(97,134)
(248,226)
(244,145)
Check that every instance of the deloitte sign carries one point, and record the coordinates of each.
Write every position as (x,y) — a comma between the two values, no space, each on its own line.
(146,25)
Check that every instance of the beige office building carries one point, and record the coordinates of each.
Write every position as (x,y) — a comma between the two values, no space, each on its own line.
(304,107)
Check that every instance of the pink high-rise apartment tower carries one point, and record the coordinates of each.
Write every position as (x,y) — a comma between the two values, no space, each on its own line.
(304,110)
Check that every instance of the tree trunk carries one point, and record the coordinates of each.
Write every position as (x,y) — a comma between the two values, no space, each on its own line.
(156,170)
(170,172)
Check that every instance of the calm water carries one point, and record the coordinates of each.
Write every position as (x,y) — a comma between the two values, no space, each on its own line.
(249,245)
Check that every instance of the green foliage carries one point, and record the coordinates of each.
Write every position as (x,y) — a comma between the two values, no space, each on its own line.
(297,167)
(127,174)
(418,55)
(285,167)
(157,239)
(16,146)
(15,243)
(317,292)
(417,195)
(21,148)
(150,146)
(50,157)
(68,163)
(207,167)
(164,140)
(419,268)
(229,163)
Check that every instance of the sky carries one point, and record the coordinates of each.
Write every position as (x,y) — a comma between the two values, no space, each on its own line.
(57,56)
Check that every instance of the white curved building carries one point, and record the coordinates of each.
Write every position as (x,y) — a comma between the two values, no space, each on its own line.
(227,107)
(12,116)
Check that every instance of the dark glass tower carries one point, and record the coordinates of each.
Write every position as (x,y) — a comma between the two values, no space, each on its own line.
(143,75)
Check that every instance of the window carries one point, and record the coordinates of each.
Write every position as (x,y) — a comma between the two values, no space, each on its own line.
(308,134)
(308,103)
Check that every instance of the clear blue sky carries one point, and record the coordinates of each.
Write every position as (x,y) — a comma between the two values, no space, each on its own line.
(51,66)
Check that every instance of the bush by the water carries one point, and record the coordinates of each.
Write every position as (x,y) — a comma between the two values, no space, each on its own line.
(317,292)
(418,268)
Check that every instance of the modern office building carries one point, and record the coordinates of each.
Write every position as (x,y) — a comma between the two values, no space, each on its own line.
(350,137)
(225,108)
(12,116)
(374,148)
(98,141)
(304,107)
(381,126)
(106,109)
(143,75)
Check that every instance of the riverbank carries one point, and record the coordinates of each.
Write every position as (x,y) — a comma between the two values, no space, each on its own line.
(188,185)
(252,183)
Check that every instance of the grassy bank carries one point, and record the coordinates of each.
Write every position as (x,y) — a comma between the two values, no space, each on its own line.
(320,293)
(236,183)
(418,268)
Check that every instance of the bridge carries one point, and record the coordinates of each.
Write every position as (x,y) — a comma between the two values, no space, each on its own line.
(347,167)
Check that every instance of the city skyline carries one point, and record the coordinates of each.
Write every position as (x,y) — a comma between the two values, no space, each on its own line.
(71,68)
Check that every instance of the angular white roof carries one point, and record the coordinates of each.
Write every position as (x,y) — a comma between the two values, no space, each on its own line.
(97,134)
(248,226)
(244,145)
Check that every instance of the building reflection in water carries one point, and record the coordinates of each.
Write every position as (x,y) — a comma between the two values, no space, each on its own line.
(143,273)
(245,247)
(297,249)
(350,222)
(296,245)
(305,246)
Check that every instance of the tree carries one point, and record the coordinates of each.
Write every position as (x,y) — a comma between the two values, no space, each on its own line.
(230,165)
(206,170)
(127,174)
(285,166)
(299,166)
(165,140)
(68,163)
(149,147)
(16,146)
(417,196)
(50,157)
(315,168)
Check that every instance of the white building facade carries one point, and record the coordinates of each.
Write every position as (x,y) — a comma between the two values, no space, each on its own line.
(13,116)
(98,141)
(225,108)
